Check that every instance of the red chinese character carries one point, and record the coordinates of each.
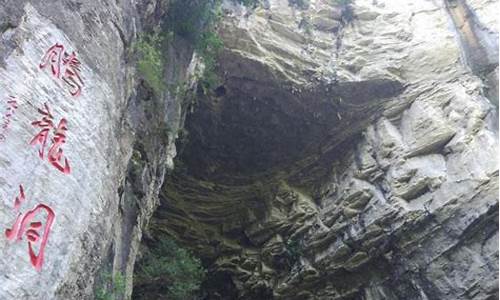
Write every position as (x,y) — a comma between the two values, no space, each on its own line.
(20,198)
(24,225)
(12,102)
(46,124)
(7,117)
(55,154)
(53,57)
(12,107)
(72,74)
(55,151)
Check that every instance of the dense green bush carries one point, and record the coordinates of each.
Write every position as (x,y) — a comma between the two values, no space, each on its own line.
(189,19)
(110,287)
(176,268)
(150,62)
(196,21)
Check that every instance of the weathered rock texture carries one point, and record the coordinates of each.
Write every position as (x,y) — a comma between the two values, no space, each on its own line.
(119,142)
(351,153)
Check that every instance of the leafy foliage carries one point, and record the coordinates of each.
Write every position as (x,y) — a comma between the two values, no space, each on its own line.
(174,266)
(208,47)
(111,287)
(188,19)
(150,62)
(196,21)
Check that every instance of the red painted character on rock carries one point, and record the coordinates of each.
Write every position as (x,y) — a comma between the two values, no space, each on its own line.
(12,102)
(46,124)
(59,59)
(25,225)
(55,151)
(53,57)
(55,154)
(72,74)
(12,106)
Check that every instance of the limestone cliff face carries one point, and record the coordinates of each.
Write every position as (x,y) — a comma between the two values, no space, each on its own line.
(350,151)
(118,143)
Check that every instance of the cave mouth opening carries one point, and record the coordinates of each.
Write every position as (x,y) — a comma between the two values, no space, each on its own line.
(250,129)
(245,143)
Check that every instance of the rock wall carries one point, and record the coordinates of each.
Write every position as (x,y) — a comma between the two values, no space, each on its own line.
(350,153)
(99,173)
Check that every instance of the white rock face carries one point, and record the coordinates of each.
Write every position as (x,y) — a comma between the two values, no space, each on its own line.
(407,210)
(96,232)
(80,199)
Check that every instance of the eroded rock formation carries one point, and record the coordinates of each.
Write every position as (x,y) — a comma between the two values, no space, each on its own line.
(345,157)
(349,152)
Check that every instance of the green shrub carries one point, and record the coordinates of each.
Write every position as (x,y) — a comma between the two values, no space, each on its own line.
(208,47)
(189,19)
(174,267)
(110,287)
(196,21)
(150,62)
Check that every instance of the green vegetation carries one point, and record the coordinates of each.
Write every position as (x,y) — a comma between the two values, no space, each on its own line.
(110,287)
(150,62)
(189,19)
(196,22)
(169,265)
(208,47)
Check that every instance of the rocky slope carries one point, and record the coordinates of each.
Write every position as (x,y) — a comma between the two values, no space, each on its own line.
(350,151)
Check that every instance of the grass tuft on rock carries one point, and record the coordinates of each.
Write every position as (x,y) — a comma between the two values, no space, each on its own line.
(110,287)
(150,63)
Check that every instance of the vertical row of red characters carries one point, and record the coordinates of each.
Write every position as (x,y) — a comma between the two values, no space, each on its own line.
(66,67)
(11,108)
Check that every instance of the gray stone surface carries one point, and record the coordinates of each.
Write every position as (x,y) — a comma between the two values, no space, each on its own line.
(344,158)
(102,206)
(396,197)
